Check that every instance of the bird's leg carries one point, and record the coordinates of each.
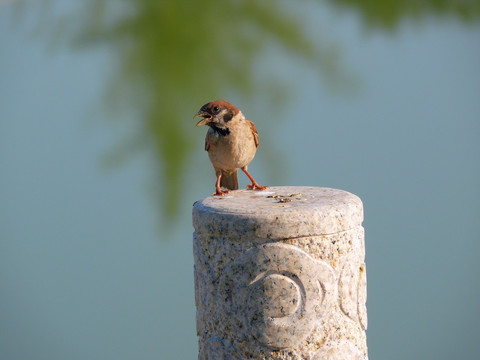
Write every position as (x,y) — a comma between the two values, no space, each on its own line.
(219,191)
(254,185)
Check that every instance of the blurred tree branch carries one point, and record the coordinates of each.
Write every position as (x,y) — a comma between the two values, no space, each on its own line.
(173,56)
(388,14)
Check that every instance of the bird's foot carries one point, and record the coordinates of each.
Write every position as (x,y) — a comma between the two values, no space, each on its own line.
(255,186)
(220,192)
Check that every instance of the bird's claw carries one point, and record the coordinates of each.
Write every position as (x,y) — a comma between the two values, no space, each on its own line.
(220,192)
(256,187)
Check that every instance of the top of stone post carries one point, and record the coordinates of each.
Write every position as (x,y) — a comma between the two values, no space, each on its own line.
(279,212)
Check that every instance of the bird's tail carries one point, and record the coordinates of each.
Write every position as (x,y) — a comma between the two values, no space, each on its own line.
(229,180)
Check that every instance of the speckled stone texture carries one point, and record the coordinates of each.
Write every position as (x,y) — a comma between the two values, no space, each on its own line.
(280,274)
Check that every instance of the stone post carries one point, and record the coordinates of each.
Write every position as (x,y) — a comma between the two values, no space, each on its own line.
(280,274)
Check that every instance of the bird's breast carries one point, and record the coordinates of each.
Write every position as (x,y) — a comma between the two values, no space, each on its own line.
(232,151)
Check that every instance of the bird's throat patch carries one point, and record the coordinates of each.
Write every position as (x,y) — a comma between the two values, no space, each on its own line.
(223,132)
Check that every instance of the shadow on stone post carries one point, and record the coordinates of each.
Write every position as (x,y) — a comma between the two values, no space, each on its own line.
(280,274)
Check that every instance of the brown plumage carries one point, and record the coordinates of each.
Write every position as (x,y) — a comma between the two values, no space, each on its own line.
(231,143)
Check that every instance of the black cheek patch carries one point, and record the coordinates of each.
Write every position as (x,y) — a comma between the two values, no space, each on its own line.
(228,116)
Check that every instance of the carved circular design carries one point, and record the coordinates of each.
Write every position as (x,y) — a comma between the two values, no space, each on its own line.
(281,296)
(362,297)
(276,292)
(352,291)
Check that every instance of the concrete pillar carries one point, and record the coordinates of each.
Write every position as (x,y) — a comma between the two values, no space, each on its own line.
(280,274)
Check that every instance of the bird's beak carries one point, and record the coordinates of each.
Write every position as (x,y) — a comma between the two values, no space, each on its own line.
(206,118)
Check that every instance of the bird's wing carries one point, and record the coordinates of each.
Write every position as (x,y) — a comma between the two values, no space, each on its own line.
(207,145)
(254,132)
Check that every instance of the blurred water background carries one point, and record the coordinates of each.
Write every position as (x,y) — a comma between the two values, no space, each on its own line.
(100,161)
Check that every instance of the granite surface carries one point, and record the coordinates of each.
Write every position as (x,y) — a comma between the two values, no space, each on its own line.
(280,274)
(271,213)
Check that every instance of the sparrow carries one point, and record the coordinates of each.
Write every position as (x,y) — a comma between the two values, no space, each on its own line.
(231,143)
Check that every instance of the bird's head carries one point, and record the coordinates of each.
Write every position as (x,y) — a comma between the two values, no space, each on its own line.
(217,113)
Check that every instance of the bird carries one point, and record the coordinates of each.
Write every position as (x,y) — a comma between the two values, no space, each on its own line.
(231,143)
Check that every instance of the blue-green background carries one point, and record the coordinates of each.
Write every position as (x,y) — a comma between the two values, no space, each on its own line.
(100,161)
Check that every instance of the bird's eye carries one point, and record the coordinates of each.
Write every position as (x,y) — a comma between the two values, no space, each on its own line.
(216,108)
